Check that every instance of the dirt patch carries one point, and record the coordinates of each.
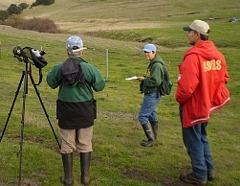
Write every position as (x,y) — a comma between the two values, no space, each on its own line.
(38,140)
(30,182)
(25,182)
(118,115)
(41,141)
(93,25)
(149,177)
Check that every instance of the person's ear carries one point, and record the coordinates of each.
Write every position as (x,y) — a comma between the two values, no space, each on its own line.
(67,52)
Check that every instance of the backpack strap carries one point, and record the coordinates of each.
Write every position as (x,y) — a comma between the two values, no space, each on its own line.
(163,69)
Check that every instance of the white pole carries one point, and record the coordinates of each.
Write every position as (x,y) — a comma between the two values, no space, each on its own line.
(106,64)
(0,50)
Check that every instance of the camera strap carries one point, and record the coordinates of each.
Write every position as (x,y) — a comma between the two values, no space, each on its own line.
(40,77)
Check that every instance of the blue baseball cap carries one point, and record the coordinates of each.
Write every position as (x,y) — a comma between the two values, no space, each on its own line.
(76,42)
(150,48)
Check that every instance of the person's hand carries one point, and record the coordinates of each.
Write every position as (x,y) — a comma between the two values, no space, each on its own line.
(140,78)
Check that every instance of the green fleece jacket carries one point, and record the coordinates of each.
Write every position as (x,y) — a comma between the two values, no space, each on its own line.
(154,75)
(76,93)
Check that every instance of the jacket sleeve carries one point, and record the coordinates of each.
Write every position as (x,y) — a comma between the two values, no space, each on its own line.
(54,77)
(99,82)
(95,79)
(188,78)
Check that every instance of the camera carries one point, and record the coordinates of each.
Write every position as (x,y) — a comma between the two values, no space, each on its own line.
(26,53)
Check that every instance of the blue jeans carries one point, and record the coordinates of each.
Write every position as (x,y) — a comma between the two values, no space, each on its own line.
(196,142)
(148,111)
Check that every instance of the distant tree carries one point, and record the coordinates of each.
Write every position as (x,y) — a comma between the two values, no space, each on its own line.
(46,2)
(14,9)
(42,2)
(3,15)
(23,6)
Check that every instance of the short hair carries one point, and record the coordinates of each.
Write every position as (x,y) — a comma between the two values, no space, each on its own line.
(72,53)
(203,37)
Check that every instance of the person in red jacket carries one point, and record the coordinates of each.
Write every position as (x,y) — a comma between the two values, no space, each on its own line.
(201,90)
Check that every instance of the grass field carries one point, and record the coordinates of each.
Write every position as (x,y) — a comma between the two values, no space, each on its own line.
(118,159)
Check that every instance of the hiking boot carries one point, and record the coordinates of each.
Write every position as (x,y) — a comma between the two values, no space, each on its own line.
(147,128)
(148,143)
(154,125)
(67,160)
(211,177)
(85,159)
(192,179)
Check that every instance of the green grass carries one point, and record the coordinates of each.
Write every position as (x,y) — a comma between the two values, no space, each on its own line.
(174,36)
(117,158)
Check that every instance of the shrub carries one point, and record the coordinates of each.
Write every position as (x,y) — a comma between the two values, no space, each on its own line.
(13,21)
(35,24)
(3,15)
(14,9)
(23,6)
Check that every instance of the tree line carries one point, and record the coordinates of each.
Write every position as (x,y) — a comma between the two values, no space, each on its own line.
(17,9)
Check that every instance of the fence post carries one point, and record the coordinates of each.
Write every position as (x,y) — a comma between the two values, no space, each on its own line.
(106,64)
(0,50)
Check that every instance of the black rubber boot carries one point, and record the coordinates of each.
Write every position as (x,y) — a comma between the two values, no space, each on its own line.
(67,160)
(149,134)
(154,125)
(85,159)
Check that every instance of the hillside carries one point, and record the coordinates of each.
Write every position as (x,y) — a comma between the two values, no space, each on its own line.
(117,30)
(80,16)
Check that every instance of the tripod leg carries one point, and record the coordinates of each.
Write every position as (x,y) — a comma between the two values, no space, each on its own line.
(22,126)
(13,103)
(45,111)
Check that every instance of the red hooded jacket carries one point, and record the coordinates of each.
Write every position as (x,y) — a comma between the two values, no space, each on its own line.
(202,83)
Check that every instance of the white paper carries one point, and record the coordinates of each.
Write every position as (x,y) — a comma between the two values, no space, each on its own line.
(131,78)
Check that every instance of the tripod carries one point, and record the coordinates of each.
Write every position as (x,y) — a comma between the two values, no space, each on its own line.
(24,78)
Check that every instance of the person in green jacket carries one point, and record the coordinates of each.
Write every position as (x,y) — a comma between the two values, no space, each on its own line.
(76,107)
(149,84)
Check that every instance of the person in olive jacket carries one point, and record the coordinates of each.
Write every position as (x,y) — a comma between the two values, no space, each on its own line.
(76,107)
(147,115)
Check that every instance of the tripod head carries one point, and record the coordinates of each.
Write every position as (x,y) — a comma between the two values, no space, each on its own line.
(26,53)
(36,59)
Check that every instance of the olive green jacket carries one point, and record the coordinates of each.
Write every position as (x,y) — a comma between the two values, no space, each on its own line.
(154,76)
(77,93)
